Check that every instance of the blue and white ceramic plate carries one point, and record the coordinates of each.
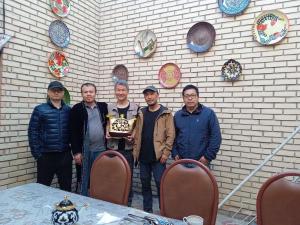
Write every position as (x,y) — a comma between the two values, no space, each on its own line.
(233,7)
(59,34)
(201,36)
(231,70)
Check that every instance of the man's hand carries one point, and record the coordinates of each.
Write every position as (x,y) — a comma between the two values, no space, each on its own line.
(163,159)
(176,157)
(78,158)
(107,135)
(130,139)
(204,161)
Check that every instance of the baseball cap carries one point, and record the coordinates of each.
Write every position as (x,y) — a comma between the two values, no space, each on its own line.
(55,85)
(150,88)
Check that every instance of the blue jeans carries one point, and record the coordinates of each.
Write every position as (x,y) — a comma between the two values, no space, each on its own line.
(145,174)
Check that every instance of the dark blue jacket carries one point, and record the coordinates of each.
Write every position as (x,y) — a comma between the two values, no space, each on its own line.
(49,129)
(197,134)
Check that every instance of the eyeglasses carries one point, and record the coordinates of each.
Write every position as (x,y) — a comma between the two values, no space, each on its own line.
(190,96)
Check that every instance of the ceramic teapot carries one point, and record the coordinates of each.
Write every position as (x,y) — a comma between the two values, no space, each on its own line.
(65,213)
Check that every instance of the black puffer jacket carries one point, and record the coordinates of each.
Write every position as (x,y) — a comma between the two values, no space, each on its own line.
(49,129)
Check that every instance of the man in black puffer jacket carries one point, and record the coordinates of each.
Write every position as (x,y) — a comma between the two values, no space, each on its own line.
(49,138)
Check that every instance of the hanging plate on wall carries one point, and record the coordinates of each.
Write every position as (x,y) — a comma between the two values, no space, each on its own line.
(60,7)
(66,98)
(233,7)
(4,38)
(120,72)
(169,75)
(201,36)
(145,43)
(270,27)
(59,33)
(231,70)
(58,64)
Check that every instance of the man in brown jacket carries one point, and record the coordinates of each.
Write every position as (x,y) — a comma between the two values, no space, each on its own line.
(154,137)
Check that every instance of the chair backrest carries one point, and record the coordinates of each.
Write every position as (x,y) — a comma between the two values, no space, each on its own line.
(189,188)
(278,201)
(110,178)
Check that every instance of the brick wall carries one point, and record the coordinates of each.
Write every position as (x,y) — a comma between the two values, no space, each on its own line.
(256,113)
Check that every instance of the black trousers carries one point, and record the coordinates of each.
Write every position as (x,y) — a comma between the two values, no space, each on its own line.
(59,163)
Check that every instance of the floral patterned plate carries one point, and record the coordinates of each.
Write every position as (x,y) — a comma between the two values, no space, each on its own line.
(59,33)
(231,70)
(58,64)
(270,27)
(60,7)
(233,7)
(169,75)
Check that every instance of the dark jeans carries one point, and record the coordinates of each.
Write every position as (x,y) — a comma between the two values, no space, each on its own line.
(59,163)
(129,157)
(145,173)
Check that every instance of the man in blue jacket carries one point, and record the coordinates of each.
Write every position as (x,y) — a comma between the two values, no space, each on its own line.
(49,138)
(198,134)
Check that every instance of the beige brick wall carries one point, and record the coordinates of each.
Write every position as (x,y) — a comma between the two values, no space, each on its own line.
(256,113)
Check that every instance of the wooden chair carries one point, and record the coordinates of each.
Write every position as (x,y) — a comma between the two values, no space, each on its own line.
(110,178)
(278,201)
(189,188)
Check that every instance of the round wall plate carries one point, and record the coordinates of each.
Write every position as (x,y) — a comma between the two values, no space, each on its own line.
(59,33)
(201,36)
(145,43)
(58,64)
(231,70)
(120,72)
(169,75)
(270,27)
(233,7)
(61,8)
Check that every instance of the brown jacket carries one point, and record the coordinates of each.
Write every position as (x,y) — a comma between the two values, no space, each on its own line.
(163,137)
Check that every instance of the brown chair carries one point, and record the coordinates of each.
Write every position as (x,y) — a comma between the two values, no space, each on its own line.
(278,201)
(189,188)
(110,178)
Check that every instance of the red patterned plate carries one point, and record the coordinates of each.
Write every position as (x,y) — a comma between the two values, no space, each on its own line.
(60,7)
(169,75)
(58,64)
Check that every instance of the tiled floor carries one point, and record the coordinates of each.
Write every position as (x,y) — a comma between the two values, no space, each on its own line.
(221,219)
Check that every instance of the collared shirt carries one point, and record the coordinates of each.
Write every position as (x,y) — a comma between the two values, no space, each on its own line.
(95,129)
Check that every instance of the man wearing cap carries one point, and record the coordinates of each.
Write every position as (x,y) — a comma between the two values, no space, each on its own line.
(88,126)
(49,138)
(198,134)
(154,136)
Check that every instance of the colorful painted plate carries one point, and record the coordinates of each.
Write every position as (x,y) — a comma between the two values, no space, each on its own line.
(145,43)
(66,98)
(233,7)
(59,33)
(169,75)
(231,70)
(120,72)
(61,8)
(270,27)
(201,37)
(58,64)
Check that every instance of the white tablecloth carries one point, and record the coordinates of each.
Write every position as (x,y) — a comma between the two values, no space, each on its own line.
(32,204)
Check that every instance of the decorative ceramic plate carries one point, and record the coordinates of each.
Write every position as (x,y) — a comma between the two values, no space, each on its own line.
(59,33)
(60,7)
(169,75)
(233,7)
(145,43)
(4,38)
(66,98)
(270,27)
(201,37)
(120,72)
(231,70)
(58,64)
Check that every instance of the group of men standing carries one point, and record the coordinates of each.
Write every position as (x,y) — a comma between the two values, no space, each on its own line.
(58,134)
